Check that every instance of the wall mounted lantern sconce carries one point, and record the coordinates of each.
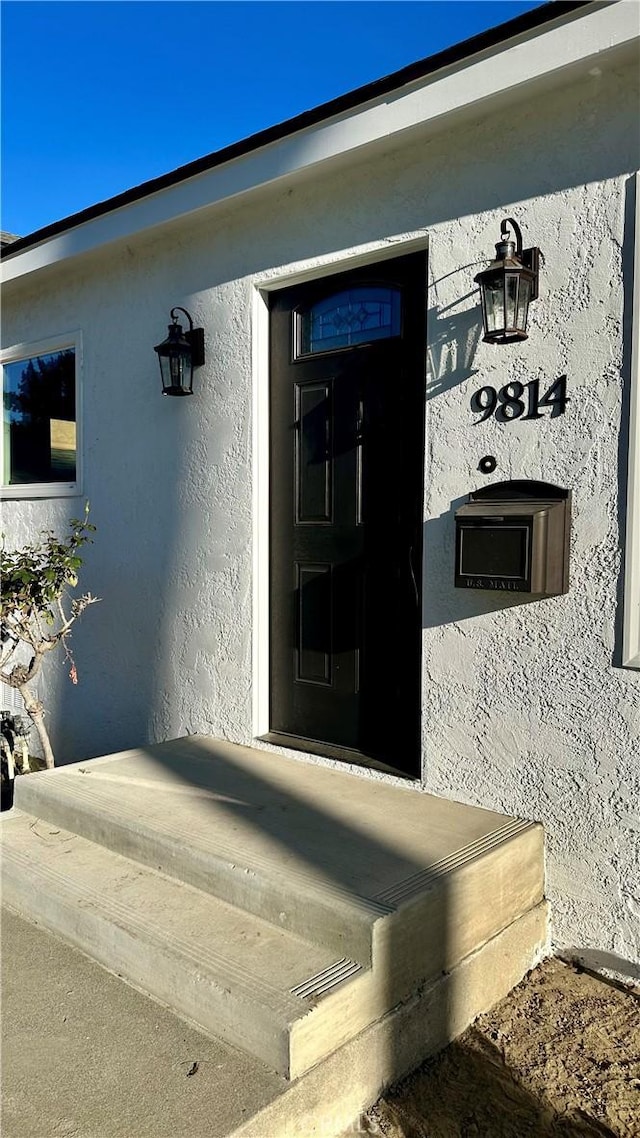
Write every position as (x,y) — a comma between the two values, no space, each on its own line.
(179,354)
(507,287)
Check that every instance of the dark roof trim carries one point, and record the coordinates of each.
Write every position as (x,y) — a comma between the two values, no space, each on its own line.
(537,17)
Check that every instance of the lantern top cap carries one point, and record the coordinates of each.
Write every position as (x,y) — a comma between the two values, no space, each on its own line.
(175,340)
(179,341)
(506,251)
(509,247)
(509,254)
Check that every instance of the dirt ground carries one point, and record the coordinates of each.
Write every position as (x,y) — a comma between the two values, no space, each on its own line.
(558,1058)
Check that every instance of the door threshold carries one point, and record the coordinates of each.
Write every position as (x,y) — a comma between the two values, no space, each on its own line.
(331,751)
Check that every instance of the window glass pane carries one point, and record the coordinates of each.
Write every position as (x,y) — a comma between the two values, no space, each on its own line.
(40,419)
(355,316)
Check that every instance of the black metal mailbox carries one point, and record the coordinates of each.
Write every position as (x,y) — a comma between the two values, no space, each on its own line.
(514,537)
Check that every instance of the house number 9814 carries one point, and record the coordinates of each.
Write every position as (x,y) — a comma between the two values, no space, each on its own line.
(514,399)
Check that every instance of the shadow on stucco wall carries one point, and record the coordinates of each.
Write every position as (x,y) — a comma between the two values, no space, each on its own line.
(452,340)
(135,442)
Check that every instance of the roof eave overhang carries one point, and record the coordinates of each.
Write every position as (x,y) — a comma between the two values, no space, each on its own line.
(601,34)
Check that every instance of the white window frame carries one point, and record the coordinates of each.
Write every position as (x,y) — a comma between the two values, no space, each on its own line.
(631,621)
(14,354)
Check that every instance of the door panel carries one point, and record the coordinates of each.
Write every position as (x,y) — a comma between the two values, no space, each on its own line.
(314,453)
(347,461)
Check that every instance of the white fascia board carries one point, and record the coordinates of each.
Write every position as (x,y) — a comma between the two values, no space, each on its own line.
(496,75)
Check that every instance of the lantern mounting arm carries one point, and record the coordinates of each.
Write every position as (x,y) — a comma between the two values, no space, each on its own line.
(504,233)
(193,336)
(530,258)
(175,318)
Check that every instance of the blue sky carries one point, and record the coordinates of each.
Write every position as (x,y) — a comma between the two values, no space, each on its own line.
(100,95)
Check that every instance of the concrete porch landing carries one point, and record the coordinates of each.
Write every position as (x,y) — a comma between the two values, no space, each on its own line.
(282,906)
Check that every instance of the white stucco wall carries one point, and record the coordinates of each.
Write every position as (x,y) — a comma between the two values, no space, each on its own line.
(526,708)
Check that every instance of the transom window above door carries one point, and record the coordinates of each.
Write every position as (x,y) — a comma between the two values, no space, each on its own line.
(345,319)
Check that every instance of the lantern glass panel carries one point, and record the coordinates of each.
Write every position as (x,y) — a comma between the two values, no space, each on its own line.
(510,300)
(176,371)
(494,303)
(524,297)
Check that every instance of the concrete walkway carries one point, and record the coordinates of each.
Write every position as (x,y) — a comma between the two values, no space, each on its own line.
(86,1056)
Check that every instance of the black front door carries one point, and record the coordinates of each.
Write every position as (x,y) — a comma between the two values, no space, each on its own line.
(346,493)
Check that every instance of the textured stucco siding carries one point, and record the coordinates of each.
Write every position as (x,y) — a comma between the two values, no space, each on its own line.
(526,708)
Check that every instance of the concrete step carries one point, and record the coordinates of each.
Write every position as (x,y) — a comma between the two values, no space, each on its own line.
(281,906)
(356,866)
(84,1053)
(285,1000)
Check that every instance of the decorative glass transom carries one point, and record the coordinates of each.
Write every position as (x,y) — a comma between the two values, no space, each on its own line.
(354,316)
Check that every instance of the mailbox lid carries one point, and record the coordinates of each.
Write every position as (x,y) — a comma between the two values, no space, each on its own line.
(491,510)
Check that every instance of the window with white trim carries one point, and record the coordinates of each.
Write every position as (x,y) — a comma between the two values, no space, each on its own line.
(39,443)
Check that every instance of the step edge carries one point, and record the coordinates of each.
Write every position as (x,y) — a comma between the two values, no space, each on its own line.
(120,941)
(220,968)
(87,935)
(225,857)
(421,882)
